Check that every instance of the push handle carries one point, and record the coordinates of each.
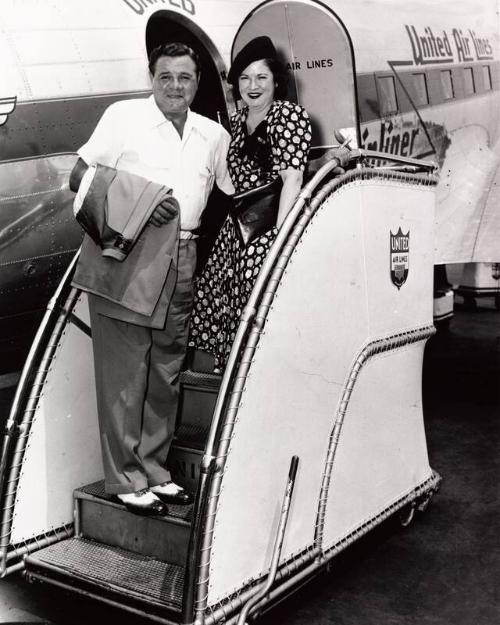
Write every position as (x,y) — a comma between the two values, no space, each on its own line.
(278,542)
(294,463)
(342,141)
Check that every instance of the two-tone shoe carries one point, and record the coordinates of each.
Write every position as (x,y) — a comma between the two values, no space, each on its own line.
(143,502)
(172,493)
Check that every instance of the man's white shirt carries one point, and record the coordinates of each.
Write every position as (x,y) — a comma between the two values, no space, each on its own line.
(134,136)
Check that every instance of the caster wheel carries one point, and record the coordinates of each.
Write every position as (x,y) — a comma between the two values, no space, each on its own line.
(406,514)
(423,502)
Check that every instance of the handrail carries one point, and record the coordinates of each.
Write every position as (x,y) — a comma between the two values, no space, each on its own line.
(265,293)
(209,463)
(278,543)
(430,166)
(14,425)
(369,350)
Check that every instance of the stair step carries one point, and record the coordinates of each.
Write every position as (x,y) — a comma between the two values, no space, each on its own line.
(111,574)
(192,435)
(196,406)
(103,519)
(201,378)
(184,462)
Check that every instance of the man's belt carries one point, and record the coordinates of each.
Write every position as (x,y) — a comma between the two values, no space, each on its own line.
(187,234)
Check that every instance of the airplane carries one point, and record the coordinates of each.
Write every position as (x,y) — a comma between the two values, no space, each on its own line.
(414,87)
(425,88)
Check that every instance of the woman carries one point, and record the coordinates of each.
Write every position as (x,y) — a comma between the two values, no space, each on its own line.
(270,138)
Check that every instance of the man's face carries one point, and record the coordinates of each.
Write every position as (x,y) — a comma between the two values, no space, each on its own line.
(175,82)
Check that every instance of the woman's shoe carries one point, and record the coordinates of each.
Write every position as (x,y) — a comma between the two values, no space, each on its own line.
(143,502)
(169,492)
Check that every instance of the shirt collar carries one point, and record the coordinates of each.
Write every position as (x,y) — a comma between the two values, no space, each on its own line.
(157,118)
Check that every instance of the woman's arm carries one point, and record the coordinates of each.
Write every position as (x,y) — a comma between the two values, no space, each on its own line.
(292,183)
(289,134)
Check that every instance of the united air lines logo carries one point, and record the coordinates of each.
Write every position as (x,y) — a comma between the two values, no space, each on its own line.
(7,105)
(400,257)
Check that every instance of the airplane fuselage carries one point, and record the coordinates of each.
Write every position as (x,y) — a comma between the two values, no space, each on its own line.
(427,77)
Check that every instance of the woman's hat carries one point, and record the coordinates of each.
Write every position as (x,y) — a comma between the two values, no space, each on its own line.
(255,50)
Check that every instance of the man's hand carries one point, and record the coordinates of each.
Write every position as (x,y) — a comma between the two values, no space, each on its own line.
(165,211)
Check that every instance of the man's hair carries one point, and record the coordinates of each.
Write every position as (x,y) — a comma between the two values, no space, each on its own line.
(173,49)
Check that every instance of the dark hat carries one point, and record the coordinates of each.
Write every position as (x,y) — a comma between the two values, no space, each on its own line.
(255,50)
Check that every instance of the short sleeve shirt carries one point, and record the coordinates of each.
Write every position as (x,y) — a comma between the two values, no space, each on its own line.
(289,137)
(134,136)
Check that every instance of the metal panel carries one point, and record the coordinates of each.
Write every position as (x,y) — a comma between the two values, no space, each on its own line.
(38,232)
(313,332)
(63,449)
(468,220)
(368,101)
(382,453)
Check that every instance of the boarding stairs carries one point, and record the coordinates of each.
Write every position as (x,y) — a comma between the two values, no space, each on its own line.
(126,559)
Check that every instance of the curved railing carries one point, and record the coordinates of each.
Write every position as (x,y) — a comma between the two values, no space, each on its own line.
(22,412)
(248,334)
(373,348)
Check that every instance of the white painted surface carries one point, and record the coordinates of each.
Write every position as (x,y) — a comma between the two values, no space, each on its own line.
(382,452)
(334,298)
(63,449)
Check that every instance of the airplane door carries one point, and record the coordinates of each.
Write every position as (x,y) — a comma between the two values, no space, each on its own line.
(316,49)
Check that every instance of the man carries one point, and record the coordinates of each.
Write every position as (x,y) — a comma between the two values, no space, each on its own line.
(138,357)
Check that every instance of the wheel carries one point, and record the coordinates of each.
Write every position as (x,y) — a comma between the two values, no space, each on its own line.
(423,502)
(470,303)
(443,326)
(406,514)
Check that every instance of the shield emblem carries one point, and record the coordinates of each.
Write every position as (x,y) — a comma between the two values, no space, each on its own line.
(399,257)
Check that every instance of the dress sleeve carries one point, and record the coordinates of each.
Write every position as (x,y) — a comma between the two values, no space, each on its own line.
(289,133)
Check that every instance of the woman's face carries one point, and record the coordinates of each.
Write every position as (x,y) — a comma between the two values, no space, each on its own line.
(256,85)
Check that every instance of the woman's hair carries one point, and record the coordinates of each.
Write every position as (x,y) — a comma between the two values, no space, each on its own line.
(173,49)
(280,76)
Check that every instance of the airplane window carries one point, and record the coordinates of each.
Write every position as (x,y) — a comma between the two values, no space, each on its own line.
(447,84)
(487,77)
(387,95)
(469,87)
(421,94)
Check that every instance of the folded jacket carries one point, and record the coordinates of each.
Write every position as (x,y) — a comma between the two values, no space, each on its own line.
(135,283)
(113,206)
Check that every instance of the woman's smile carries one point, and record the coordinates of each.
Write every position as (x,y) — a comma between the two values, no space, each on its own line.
(256,85)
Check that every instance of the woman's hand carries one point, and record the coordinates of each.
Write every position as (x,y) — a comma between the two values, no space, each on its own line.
(292,183)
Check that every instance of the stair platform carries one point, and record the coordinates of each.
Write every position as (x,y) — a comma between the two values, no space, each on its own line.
(197,400)
(111,574)
(103,519)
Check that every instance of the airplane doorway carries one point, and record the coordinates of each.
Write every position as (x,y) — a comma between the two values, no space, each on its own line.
(212,96)
(321,68)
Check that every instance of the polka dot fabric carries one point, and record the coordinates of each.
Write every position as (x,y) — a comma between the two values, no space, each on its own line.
(289,137)
(223,289)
